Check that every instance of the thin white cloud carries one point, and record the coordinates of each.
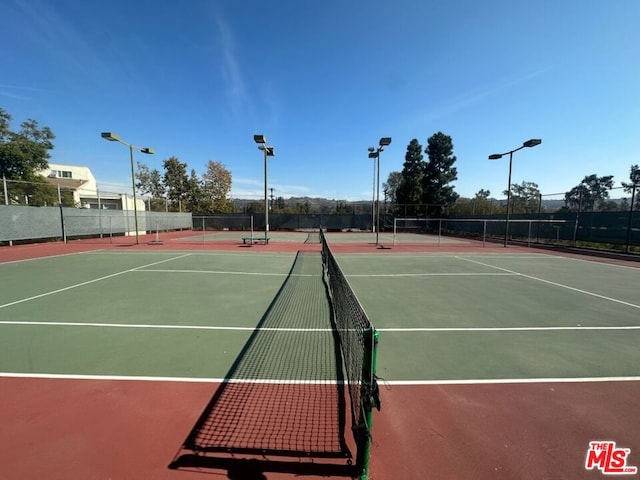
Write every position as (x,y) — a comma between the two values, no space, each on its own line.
(54,34)
(9,91)
(239,99)
(479,94)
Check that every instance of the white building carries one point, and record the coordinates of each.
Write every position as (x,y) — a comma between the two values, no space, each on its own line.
(85,190)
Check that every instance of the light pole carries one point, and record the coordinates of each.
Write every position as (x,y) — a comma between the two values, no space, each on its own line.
(635,184)
(112,137)
(496,156)
(268,152)
(375,153)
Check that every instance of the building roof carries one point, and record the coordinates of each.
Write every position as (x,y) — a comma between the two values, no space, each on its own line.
(68,183)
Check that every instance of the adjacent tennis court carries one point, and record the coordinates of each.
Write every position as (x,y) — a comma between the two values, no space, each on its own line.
(129,362)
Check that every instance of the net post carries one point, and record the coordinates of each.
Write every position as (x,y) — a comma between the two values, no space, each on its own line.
(395,230)
(370,398)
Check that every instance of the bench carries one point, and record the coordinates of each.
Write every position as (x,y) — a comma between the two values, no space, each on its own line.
(253,240)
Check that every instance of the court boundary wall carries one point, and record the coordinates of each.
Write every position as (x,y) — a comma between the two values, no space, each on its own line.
(26,224)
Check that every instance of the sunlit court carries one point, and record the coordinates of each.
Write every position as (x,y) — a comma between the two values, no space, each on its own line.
(178,360)
(302,240)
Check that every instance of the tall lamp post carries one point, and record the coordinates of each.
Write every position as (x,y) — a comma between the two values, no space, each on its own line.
(375,153)
(112,137)
(268,152)
(496,156)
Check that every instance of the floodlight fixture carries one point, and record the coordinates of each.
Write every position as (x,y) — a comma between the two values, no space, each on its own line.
(495,156)
(112,137)
(259,139)
(371,149)
(270,151)
(532,143)
(385,141)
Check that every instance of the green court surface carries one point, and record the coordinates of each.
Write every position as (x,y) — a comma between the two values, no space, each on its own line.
(442,317)
(363,238)
(483,317)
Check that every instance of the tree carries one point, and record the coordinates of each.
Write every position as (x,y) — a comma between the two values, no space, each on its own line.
(149,181)
(409,192)
(439,172)
(175,181)
(633,186)
(482,205)
(216,186)
(194,197)
(525,197)
(589,193)
(254,207)
(304,207)
(391,186)
(24,154)
(483,194)
(343,208)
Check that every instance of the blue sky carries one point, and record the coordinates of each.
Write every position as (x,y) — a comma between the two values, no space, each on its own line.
(196,79)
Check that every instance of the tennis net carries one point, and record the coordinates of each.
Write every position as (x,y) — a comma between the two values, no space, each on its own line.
(358,341)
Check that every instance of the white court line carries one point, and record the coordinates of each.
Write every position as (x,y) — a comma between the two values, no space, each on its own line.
(196,253)
(143,270)
(283,329)
(503,329)
(161,326)
(495,381)
(585,292)
(144,378)
(500,381)
(461,274)
(53,292)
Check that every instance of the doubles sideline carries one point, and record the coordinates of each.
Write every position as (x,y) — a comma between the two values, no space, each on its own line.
(482,381)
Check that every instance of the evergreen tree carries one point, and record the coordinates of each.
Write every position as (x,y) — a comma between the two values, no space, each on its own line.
(439,172)
(409,192)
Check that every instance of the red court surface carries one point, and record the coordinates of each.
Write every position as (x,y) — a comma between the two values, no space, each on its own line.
(123,429)
(85,429)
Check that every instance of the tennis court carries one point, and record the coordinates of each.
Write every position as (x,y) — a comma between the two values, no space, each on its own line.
(492,362)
